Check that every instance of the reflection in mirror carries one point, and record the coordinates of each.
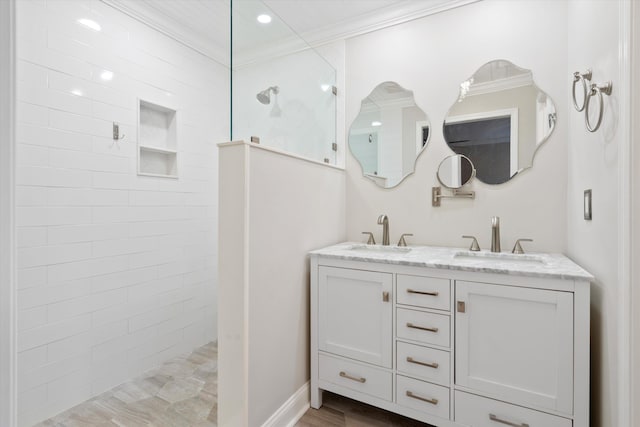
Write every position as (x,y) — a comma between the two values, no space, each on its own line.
(455,171)
(388,134)
(500,119)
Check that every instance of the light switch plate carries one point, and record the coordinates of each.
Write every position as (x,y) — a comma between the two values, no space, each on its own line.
(587,205)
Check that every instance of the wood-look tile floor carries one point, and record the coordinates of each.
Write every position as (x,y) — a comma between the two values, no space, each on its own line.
(184,393)
(338,411)
(181,393)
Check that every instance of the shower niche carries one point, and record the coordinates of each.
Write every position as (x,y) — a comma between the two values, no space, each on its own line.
(157,140)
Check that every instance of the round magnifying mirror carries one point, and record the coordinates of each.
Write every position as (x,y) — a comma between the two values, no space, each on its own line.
(456,171)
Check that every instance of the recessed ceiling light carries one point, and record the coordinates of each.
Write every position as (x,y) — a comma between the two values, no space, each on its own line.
(264,19)
(376,123)
(90,24)
(106,75)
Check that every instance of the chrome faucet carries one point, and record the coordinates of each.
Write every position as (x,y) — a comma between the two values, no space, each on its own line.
(383,220)
(495,234)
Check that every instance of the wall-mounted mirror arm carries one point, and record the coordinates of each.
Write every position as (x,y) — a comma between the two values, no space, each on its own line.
(436,195)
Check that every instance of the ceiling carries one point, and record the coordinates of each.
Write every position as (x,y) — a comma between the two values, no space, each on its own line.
(205,24)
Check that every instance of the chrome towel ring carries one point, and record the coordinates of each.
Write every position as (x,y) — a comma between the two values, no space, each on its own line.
(581,77)
(596,90)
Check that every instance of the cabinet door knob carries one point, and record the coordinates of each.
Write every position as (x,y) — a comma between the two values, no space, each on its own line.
(385,296)
(462,307)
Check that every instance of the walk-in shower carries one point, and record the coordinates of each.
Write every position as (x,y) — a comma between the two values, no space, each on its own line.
(302,116)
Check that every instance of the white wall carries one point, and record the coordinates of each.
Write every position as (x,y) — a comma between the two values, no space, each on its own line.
(594,163)
(116,271)
(432,56)
(274,209)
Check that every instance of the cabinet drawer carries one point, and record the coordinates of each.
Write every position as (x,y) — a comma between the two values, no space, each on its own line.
(479,411)
(365,379)
(423,362)
(422,291)
(428,328)
(422,396)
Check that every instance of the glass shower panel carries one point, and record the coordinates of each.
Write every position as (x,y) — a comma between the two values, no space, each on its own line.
(282,89)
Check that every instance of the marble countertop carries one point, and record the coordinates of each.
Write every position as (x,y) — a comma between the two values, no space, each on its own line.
(544,265)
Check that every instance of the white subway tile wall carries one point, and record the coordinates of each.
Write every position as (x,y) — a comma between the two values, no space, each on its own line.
(116,272)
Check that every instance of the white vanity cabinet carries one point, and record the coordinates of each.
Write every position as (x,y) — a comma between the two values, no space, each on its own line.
(449,345)
(516,344)
(364,333)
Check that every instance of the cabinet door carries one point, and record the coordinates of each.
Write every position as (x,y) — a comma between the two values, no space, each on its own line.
(354,310)
(516,344)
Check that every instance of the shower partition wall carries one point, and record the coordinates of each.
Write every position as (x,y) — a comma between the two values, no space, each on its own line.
(283,91)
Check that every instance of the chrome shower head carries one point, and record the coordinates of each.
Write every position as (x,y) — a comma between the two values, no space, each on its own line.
(264,97)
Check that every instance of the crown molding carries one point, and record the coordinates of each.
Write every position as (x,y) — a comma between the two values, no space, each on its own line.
(145,15)
(218,50)
(397,13)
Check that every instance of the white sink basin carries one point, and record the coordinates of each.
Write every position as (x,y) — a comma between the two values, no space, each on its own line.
(498,257)
(380,249)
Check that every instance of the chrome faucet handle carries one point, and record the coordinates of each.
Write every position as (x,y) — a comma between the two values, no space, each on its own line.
(517,248)
(474,244)
(371,240)
(403,242)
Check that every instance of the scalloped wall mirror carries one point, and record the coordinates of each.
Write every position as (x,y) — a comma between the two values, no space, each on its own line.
(389,134)
(499,120)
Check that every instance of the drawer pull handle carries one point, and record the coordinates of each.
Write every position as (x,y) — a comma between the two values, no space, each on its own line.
(349,377)
(424,399)
(422,328)
(433,365)
(433,294)
(509,423)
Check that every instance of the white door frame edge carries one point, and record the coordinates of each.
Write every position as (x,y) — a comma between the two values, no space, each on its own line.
(8,348)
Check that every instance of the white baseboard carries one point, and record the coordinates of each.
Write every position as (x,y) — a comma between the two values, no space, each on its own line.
(292,410)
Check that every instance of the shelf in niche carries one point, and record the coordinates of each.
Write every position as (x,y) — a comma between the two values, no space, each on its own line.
(157,140)
(158,163)
(157,149)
